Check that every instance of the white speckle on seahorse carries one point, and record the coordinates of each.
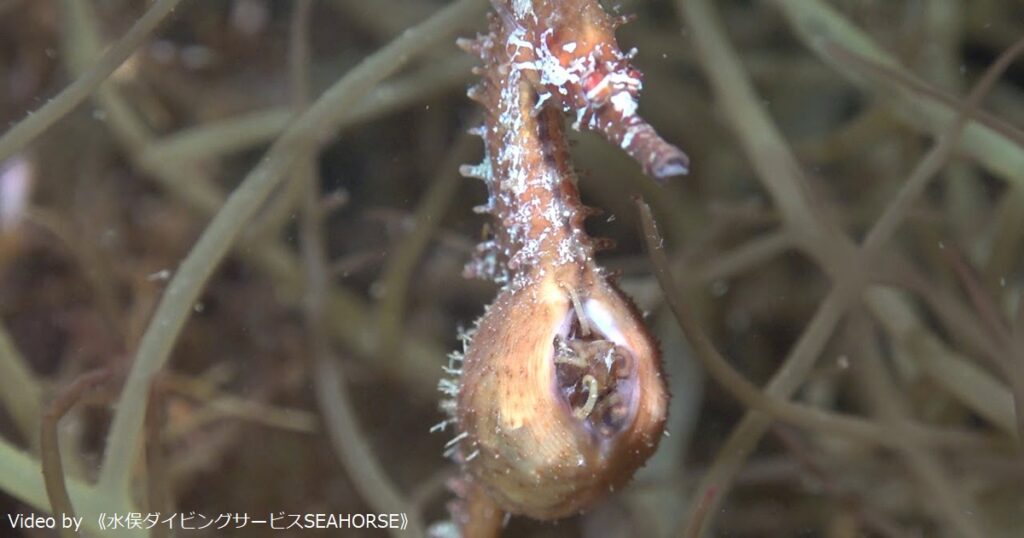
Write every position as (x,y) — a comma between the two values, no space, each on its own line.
(625,103)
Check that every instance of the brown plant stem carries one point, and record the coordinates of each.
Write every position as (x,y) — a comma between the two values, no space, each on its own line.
(416,365)
(53,466)
(757,399)
(341,422)
(884,397)
(311,128)
(817,235)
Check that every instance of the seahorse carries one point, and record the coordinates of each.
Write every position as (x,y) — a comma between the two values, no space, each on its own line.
(558,396)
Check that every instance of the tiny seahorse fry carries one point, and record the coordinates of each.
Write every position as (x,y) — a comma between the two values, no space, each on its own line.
(559,395)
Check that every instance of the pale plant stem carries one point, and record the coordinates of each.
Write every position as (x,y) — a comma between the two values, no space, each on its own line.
(78,91)
(971,384)
(340,420)
(219,139)
(49,446)
(743,258)
(715,484)
(822,28)
(351,323)
(312,127)
(756,399)
(21,477)
(384,18)
(1006,240)
(386,98)
(996,148)
(820,238)
(892,409)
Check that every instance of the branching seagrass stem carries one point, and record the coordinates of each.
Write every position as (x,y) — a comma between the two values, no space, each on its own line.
(781,175)
(312,127)
(753,397)
(978,390)
(356,455)
(350,322)
(53,467)
(340,419)
(37,122)
(218,139)
(744,257)
(21,476)
(995,145)
(821,28)
(885,398)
